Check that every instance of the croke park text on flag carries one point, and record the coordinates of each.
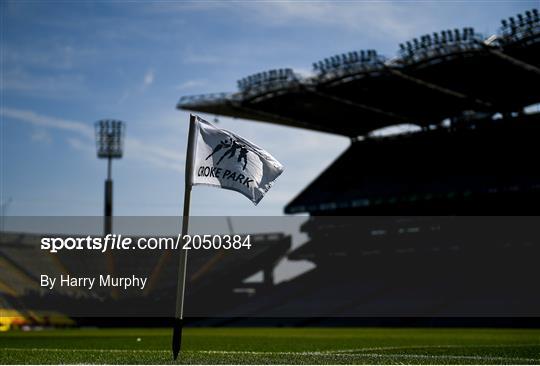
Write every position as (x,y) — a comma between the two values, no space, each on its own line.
(226,160)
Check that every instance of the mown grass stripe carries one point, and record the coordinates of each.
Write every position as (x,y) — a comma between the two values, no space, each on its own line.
(334,353)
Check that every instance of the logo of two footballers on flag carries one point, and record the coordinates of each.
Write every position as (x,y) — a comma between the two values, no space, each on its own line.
(233,146)
(225,160)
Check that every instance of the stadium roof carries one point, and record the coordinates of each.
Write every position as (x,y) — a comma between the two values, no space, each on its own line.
(434,77)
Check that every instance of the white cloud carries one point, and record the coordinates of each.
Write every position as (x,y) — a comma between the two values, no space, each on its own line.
(81,145)
(49,122)
(389,19)
(57,85)
(190,84)
(47,54)
(202,59)
(148,79)
(41,136)
(83,140)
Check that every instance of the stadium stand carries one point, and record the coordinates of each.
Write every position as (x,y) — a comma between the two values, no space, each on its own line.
(463,90)
(23,250)
(210,273)
(472,153)
(432,172)
(434,78)
(220,274)
(14,281)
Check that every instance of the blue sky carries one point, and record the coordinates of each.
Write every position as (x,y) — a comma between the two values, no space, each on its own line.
(68,64)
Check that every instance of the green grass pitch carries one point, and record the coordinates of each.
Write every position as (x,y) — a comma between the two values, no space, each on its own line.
(274,346)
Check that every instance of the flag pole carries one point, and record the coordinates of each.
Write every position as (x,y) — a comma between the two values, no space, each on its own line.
(179,315)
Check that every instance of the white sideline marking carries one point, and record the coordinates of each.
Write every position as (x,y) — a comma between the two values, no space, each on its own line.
(390,348)
(377,355)
(339,353)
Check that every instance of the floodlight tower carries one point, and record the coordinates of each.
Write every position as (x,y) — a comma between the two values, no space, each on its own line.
(109,144)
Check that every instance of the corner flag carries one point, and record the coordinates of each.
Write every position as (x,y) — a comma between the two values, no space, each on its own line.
(219,158)
(225,160)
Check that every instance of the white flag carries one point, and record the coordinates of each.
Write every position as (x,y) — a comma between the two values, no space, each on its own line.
(223,159)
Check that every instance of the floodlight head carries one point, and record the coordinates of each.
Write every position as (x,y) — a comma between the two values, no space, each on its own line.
(110,138)
(457,35)
(443,37)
